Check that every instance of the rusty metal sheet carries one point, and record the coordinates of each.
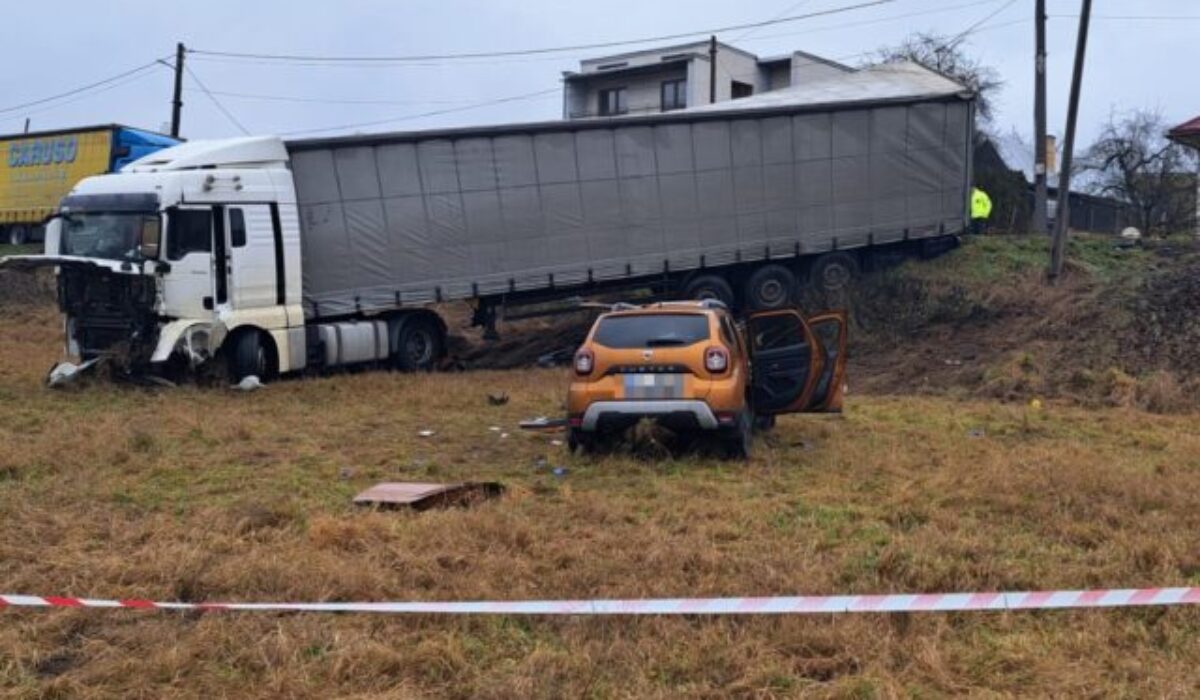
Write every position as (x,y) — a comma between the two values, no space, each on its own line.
(422,495)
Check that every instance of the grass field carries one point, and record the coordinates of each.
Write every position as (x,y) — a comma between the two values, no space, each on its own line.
(199,495)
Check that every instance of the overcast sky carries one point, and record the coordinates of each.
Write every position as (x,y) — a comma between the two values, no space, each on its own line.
(52,46)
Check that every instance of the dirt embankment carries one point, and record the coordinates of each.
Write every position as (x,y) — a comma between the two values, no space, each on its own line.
(1121,328)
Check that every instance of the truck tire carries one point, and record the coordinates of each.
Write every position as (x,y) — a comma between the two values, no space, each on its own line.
(709,287)
(833,272)
(18,235)
(419,345)
(771,286)
(249,355)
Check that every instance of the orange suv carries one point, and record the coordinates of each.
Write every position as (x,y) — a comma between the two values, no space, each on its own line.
(690,366)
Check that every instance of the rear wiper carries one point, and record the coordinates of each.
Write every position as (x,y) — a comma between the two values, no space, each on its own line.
(660,342)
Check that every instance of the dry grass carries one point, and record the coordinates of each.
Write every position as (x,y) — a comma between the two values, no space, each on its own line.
(213,495)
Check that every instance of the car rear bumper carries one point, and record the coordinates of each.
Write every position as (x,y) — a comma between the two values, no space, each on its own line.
(621,411)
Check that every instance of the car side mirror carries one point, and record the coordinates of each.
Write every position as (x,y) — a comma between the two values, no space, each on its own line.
(150,238)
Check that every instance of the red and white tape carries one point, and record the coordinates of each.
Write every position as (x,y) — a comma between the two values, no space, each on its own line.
(775,605)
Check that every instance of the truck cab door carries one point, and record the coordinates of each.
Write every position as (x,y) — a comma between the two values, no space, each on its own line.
(189,288)
(785,361)
(250,248)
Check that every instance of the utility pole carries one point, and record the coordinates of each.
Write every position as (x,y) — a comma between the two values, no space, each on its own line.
(1062,215)
(177,102)
(1038,225)
(27,125)
(712,69)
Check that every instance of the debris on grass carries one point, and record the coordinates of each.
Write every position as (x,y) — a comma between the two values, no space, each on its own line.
(249,383)
(423,495)
(560,471)
(543,423)
(426,433)
(497,399)
(976,433)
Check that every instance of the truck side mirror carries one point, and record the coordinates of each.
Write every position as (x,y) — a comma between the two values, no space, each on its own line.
(150,237)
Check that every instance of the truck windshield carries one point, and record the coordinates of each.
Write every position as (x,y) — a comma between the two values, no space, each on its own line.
(109,235)
(651,331)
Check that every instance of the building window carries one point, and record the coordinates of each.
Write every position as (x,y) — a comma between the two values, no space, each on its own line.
(612,101)
(737,90)
(674,94)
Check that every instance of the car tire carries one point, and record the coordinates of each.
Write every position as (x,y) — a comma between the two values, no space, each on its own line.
(834,272)
(579,442)
(419,345)
(738,440)
(18,235)
(709,287)
(249,356)
(764,423)
(770,287)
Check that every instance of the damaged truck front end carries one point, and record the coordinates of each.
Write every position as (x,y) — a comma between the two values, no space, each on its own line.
(108,314)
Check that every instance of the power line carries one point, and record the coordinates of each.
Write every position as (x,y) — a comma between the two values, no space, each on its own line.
(77,98)
(332,100)
(528,52)
(435,113)
(790,9)
(215,101)
(971,29)
(1133,17)
(881,20)
(83,88)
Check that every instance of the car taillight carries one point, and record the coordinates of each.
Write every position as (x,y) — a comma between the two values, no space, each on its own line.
(716,359)
(585,361)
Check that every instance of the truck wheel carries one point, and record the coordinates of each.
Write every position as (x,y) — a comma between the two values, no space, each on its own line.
(18,235)
(249,356)
(833,272)
(709,287)
(770,287)
(419,345)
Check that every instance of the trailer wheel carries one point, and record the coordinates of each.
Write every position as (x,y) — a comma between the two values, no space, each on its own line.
(248,356)
(833,272)
(770,287)
(709,287)
(18,235)
(419,345)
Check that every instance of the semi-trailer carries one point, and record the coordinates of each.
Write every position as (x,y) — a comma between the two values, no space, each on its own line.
(40,167)
(279,256)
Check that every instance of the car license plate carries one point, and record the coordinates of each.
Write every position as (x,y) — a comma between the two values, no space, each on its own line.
(653,386)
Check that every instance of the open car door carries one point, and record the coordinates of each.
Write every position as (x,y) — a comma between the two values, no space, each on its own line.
(798,365)
(829,328)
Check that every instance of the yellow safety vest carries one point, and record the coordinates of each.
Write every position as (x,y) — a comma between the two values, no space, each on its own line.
(981,204)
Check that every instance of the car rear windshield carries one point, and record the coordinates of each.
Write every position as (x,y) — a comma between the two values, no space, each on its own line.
(651,331)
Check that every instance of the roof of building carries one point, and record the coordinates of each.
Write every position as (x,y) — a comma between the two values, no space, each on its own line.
(1187,133)
(886,82)
(81,129)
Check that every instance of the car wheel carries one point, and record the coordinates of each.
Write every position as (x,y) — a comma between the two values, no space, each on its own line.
(579,442)
(249,357)
(770,287)
(419,346)
(764,423)
(18,235)
(833,272)
(738,440)
(709,287)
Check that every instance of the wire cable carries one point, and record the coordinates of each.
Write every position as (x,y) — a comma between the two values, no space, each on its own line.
(215,101)
(435,113)
(83,88)
(529,52)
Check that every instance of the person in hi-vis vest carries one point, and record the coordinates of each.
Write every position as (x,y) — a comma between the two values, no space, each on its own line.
(981,209)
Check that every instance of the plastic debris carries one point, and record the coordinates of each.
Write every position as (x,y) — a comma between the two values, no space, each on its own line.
(249,383)
(976,433)
(421,495)
(559,471)
(66,372)
(498,399)
(426,433)
(543,423)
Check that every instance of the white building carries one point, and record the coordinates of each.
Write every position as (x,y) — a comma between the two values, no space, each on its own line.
(673,77)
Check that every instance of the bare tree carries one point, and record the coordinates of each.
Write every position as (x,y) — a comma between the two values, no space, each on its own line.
(1133,161)
(946,56)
